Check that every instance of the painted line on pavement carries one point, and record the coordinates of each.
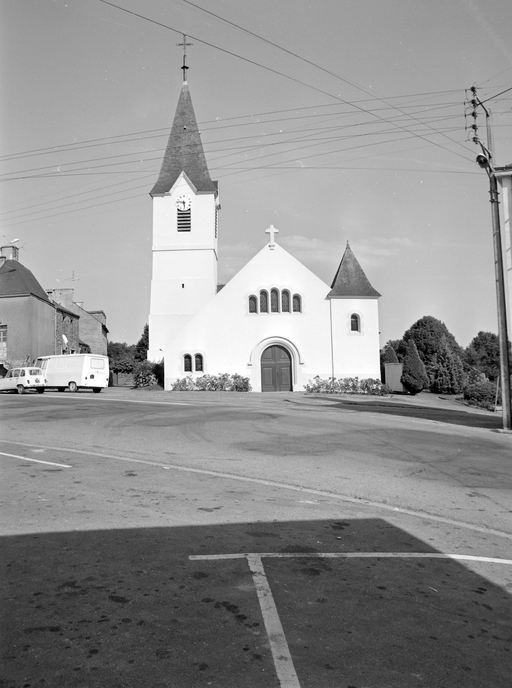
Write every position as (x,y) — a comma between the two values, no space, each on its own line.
(281,654)
(277,640)
(96,398)
(24,458)
(354,555)
(286,486)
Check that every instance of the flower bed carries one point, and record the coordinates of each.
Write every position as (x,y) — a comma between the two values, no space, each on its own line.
(348,385)
(212,383)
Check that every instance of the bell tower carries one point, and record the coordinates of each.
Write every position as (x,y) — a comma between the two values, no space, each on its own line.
(185,208)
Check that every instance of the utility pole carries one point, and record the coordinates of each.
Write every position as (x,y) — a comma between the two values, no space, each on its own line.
(485,161)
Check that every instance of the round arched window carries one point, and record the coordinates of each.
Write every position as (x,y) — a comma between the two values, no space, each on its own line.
(263,302)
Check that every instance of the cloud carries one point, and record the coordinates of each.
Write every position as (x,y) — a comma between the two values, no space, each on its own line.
(323,254)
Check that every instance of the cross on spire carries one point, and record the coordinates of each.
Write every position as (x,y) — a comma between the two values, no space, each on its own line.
(185,45)
(272,231)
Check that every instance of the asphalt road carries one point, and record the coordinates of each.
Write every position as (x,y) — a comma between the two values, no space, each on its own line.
(180,540)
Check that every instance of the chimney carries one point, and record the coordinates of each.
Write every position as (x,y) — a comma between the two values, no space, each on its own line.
(9,252)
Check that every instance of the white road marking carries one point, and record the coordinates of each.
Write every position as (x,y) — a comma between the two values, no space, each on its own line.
(278,645)
(354,555)
(96,398)
(283,661)
(286,486)
(25,458)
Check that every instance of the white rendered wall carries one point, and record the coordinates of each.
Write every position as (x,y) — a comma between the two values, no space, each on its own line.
(356,353)
(232,340)
(184,275)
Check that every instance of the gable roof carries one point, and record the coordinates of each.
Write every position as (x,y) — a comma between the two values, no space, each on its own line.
(350,280)
(17,280)
(184,152)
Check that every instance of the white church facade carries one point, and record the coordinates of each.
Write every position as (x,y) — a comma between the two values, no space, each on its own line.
(275,321)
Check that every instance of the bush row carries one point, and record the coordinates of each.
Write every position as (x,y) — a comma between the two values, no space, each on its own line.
(348,385)
(212,383)
(482,394)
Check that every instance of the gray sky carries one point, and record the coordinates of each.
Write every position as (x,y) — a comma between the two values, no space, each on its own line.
(345,123)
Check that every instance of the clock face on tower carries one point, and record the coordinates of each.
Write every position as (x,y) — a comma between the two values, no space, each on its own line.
(183,202)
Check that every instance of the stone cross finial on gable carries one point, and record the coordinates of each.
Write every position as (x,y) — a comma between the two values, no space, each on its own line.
(272,242)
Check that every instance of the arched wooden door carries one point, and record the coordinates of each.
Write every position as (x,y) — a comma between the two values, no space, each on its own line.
(276,370)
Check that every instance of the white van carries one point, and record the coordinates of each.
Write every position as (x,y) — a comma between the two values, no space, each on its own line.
(75,371)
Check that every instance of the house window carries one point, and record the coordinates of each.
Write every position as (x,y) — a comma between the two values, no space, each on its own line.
(263,302)
(3,342)
(285,301)
(184,220)
(198,363)
(297,305)
(187,363)
(253,306)
(355,323)
(274,301)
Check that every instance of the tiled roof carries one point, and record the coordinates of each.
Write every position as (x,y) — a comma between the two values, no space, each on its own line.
(184,152)
(350,280)
(17,280)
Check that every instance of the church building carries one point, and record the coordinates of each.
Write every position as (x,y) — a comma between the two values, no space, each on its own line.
(275,321)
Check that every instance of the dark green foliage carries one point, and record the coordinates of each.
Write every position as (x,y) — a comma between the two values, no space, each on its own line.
(414,376)
(428,333)
(445,370)
(399,346)
(158,371)
(389,355)
(142,346)
(121,357)
(482,394)
(143,375)
(483,355)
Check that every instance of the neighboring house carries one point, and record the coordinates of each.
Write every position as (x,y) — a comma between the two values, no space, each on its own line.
(32,324)
(93,327)
(27,316)
(275,321)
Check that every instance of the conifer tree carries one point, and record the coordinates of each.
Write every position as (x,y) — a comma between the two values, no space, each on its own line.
(414,376)
(445,370)
(389,355)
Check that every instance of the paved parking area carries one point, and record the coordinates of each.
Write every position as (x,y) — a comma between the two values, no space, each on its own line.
(202,544)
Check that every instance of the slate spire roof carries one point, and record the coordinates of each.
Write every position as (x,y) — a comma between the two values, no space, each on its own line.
(350,280)
(184,152)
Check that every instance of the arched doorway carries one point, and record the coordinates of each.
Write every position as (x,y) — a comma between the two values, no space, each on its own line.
(276,370)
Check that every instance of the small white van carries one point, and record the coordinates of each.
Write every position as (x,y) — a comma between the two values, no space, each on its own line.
(75,371)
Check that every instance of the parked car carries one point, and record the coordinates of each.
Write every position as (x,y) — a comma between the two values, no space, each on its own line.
(21,379)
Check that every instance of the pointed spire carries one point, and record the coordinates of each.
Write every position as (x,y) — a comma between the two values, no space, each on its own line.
(350,282)
(184,152)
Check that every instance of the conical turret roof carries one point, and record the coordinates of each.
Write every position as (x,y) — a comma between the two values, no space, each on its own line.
(350,280)
(184,152)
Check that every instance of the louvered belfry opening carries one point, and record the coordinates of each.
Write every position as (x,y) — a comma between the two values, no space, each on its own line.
(185,220)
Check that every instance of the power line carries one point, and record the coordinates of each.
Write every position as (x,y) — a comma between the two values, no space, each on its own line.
(274,71)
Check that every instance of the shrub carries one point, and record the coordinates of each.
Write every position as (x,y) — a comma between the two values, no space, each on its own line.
(212,383)
(143,375)
(445,371)
(414,376)
(158,371)
(350,385)
(482,394)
